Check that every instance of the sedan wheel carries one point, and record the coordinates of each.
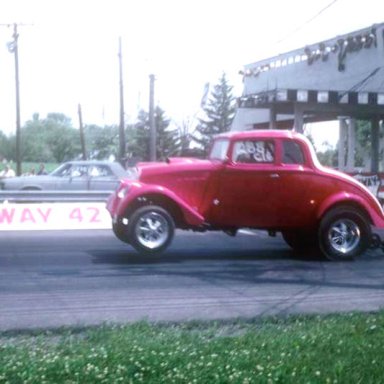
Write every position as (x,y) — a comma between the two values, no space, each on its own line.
(151,229)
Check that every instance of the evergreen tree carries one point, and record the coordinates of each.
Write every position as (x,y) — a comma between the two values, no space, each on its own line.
(219,111)
(167,139)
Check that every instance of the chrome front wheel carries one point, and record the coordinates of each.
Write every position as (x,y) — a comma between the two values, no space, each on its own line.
(151,229)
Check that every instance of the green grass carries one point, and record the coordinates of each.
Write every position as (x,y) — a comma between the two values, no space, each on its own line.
(299,349)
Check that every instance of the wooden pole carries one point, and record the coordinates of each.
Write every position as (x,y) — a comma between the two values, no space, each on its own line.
(152,122)
(82,137)
(122,145)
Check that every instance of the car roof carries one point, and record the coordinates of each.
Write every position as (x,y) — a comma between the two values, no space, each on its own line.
(117,168)
(262,133)
(90,162)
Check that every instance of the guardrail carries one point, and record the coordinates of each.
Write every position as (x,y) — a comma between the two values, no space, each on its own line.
(53,196)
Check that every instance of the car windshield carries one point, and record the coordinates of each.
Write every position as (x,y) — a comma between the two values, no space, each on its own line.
(71,170)
(219,150)
(61,170)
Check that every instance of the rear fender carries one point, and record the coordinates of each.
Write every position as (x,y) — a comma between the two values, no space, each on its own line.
(138,190)
(373,212)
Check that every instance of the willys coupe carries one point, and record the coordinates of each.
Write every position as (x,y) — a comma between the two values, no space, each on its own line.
(261,179)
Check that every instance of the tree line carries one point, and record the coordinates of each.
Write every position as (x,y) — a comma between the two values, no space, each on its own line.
(55,139)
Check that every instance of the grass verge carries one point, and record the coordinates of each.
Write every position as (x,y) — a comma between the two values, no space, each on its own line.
(346,348)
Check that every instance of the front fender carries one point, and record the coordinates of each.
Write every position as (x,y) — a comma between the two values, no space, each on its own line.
(137,190)
(371,207)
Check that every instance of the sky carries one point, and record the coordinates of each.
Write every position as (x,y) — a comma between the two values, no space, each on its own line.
(68,50)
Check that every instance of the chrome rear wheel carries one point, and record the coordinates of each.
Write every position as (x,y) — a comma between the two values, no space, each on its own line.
(344,236)
(344,233)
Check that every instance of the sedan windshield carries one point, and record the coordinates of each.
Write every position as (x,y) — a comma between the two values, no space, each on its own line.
(62,170)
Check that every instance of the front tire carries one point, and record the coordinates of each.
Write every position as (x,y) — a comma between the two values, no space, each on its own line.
(344,234)
(150,229)
(300,240)
(120,231)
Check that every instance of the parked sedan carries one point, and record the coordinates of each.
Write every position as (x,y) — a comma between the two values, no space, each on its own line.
(72,176)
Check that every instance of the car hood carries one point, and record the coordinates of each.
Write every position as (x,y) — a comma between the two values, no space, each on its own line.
(176,170)
(175,167)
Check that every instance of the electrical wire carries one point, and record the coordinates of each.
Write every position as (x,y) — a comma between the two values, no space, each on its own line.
(307,22)
(361,83)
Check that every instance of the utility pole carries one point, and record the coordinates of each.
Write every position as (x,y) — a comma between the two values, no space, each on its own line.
(82,138)
(152,122)
(17,86)
(13,47)
(122,145)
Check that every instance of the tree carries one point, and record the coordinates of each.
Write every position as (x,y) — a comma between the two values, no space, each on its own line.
(363,144)
(101,142)
(328,156)
(219,111)
(52,139)
(167,139)
(7,148)
(363,147)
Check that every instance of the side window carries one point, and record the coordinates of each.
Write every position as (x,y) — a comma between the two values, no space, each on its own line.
(254,151)
(78,171)
(100,171)
(292,153)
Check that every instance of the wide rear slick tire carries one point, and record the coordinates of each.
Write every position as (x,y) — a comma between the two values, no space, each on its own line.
(150,229)
(344,234)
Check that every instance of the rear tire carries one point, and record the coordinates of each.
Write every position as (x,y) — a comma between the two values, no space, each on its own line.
(344,234)
(150,229)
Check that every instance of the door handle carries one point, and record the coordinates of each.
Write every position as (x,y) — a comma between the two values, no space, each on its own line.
(274,175)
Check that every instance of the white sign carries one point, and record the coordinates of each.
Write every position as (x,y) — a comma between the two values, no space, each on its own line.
(54,216)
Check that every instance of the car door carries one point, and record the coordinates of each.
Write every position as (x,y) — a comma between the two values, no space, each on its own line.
(295,201)
(101,178)
(247,186)
(73,178)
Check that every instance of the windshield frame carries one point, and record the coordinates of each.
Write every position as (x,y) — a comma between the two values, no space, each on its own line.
(219,149)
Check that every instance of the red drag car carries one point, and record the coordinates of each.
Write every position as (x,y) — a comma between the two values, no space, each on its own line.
(262,179)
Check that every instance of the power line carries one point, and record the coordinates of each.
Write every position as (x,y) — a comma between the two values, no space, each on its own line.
(307,22)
